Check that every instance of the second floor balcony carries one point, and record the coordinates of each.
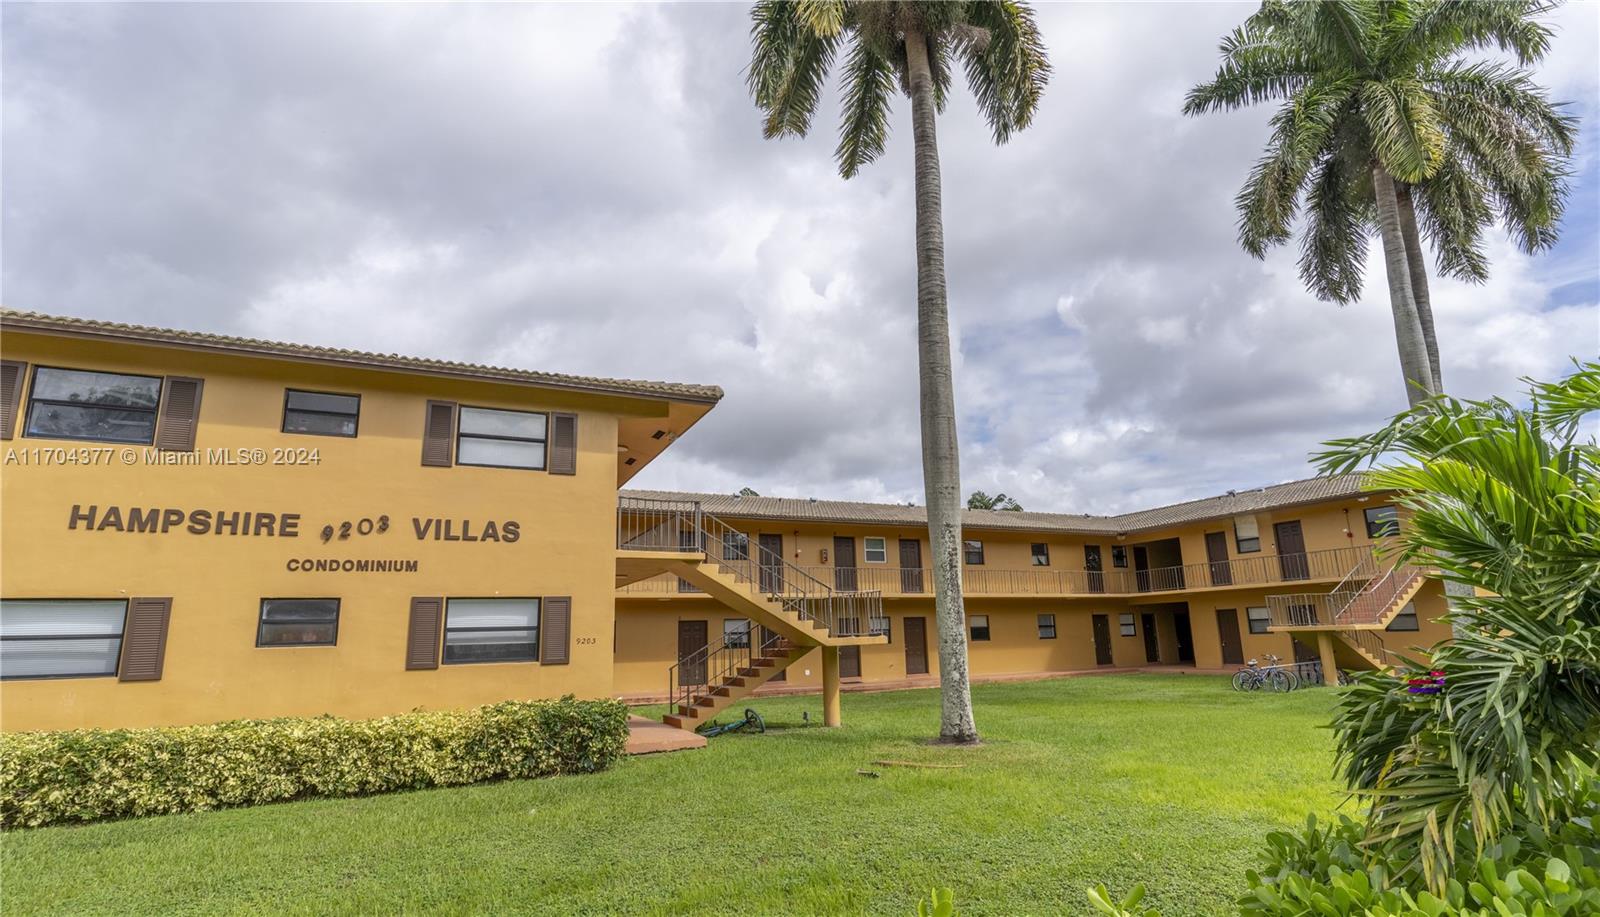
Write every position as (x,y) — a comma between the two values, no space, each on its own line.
(1329,565)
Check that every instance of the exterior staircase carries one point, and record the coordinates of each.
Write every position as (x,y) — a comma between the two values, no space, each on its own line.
(723,674)
(796,612)
(1354,613)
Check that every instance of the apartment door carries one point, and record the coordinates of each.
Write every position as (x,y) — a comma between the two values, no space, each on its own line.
(1292,561)
(691,655)
(849,662)
(1217,557)
(1141,568)
(1228,636)
(1152,642)
(1096,580)
(767,637)
(1102,639)
(771,560)
(844,563)
(1180,623)
(916,637)
(911,569)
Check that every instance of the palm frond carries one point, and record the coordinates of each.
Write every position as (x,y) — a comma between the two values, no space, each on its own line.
(789,60)
(1255,68)
(1301,134)
(1006,64)
(1333,246)
(869,81)
(1440,28)
(1453,210)
(1406,134)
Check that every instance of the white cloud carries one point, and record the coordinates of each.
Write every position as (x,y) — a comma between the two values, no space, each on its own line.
(585,188)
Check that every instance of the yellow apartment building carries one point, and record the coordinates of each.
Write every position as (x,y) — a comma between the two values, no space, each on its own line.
(196,527)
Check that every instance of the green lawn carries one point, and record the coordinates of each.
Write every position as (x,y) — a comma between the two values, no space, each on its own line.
(1169,780)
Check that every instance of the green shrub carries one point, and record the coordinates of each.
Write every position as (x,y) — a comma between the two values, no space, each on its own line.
(91,774)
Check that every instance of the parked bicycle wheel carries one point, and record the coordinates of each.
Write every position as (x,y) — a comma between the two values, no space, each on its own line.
(1294,678)
(1243,680)
(1278,681)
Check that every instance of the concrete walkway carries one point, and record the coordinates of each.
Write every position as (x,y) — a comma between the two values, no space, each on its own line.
(646,737)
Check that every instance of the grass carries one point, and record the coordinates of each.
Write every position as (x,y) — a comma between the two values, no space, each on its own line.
(1170,780)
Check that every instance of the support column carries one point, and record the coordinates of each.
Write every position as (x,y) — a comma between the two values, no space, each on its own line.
(830,686)
(1330,668)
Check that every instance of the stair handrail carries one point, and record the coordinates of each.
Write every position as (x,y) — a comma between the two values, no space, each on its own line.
(662,525)
(721,660)
(1398,578)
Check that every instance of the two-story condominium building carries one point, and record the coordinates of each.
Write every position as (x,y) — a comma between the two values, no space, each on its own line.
(196,527)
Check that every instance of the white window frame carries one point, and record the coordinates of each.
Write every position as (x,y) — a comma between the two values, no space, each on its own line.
(1128,624)
(1241,524)
(882,549)
(66,634)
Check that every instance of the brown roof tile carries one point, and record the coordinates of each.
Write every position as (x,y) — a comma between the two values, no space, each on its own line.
(1277,496)
(53,324)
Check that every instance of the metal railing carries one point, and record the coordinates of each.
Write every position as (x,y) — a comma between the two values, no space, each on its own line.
(1362,597)
(697,674)
(1371,642)
(684,527)
(1047,581)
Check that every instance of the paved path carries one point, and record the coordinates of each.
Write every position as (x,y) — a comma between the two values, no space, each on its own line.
(647,737)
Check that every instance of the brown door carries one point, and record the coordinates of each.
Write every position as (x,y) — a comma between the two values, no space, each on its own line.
(691,652)
(1152,640)
(1217,556)
(1228,636)
(844,563)
(849,662)
(767,637)
(1102,639)
(911,571)
(1092,568)
(916,637)
(1291,550)
(771,551)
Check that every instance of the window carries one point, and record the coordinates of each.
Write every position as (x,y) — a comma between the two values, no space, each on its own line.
(1119,556)
(735,546)
(1260,619)
(1406,619)
(320,413)
(1246,535)
(736,631)
(491,630)
(1041,555)
(1126,624)
(974,552)
(103,407)
(875,550)
(60,639)
(1047,627)
(501,439)
(978,627)
(298,622)
(1382,520)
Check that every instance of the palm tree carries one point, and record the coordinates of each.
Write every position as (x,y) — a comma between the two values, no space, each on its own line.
(980,500)
(1506,502)
(1384,124)
(912,46)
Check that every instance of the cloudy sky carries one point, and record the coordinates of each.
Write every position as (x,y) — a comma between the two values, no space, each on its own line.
(585,189)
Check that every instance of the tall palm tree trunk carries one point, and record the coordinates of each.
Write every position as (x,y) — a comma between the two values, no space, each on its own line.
(1419,280)
(941,460)
(1408,337)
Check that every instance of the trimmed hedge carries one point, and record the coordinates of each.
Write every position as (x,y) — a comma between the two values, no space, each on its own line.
(91,774)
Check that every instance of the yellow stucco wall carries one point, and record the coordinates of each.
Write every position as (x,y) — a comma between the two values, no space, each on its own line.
(213,670)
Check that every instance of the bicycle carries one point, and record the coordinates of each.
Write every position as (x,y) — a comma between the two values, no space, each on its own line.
(751,721)
(1273,676)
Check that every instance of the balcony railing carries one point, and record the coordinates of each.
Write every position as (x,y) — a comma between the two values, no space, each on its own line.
(683,527)
(1266,569)
(1364,596)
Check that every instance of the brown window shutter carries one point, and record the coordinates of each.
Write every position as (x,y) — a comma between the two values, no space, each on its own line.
(180,414)
(555,630)
(10,395)
(563,444)
(422,637)
(438,431)
(144,639)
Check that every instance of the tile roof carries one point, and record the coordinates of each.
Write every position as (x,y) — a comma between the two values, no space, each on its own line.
(1277,496)
(54,324)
